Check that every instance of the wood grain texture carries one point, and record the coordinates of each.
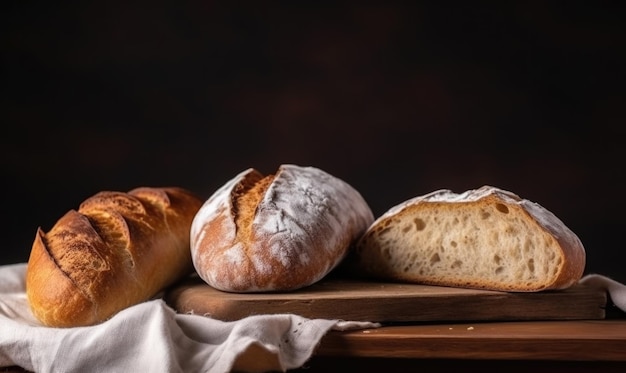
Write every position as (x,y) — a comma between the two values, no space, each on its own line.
(572,340)
(391,302)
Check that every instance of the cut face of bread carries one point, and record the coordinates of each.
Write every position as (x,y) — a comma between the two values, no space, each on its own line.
(486,238)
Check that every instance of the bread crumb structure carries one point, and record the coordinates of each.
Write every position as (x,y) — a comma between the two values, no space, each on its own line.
(486,238)
(277,232)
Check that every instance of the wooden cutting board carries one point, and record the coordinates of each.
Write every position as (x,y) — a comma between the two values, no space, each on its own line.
(357,300)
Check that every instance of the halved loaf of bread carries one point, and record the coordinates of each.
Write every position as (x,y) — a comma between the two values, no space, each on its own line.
(486,238)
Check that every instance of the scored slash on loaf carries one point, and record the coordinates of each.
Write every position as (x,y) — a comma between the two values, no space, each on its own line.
(486,238)
(277,232)
(117,250)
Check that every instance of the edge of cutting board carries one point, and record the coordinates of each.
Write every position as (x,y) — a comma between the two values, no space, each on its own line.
(358,300)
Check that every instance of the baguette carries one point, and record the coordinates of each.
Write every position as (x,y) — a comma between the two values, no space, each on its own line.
(278,232)
(486,238)
(117,250)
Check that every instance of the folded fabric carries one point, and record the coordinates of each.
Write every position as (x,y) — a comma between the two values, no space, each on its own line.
(152,337)
(616,290)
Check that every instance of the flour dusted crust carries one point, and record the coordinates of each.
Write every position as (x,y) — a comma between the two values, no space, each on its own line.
(485,238)
(278,232)
(116,250)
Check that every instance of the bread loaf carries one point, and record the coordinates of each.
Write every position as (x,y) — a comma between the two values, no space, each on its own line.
(277,232)
(117,250)
(486,238)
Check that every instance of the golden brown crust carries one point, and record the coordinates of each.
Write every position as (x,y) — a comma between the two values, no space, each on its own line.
(117,250)
(276,233)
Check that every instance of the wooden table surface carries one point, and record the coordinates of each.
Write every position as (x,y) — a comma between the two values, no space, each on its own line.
(516,346)
(520,346)
(538,340)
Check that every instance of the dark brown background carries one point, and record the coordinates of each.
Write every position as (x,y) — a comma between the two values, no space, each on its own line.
(399,99)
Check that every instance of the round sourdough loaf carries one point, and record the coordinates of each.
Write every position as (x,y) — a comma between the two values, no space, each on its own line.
(278,232)
(486,238)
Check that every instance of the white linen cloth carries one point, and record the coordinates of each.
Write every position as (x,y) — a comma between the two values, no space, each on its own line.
(153,337)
